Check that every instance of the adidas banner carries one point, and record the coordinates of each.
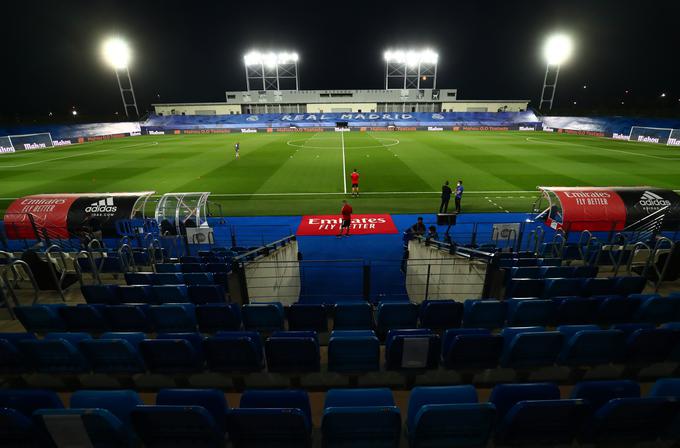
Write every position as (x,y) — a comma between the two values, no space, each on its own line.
(69,215)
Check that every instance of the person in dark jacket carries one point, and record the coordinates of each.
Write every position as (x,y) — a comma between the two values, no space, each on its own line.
(446,197)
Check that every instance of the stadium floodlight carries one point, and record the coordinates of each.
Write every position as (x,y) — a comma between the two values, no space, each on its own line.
(267,69)
(73,112)
(410,67)
(556,51)
(117,54)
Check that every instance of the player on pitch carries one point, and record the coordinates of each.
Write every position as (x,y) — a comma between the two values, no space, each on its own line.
(355,183)
(237,146)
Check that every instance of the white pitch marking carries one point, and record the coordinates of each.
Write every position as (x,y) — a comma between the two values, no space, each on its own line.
(344,167)
(535,140)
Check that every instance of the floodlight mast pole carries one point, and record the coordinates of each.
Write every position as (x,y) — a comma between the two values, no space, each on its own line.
(550,87)
(129,89)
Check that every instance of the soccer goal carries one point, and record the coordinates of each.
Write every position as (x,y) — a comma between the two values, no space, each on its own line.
(30,141)
(650,135)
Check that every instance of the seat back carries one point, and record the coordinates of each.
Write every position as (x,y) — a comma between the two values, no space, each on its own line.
(310,317)
(293,352)
(412,349)
(181,425)
(214,317)
(396,315)
(441,314)
(353,351)
(238,351)
(266,317)
(599,393)
(352,316)
(173,317)
(484,314)
(505,396)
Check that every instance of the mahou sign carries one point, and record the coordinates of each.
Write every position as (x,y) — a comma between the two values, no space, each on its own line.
(327,225)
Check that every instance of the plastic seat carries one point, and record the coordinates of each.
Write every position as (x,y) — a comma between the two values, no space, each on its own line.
(525,287)
(237,351)
(528,348)
(666,387)
(187,259)
(214,317)
(119,402)
(293,352)
(592,347)
(171,355)
(527,312)
(470,348)
(596,286)
(170,294)
(599,393)
(648,346)
(174,278)
(505,396)
(134,294)
(212,400)
(200,294)
(27,401)
(99,427)
(310,317)
(40,318)
(657,310)
(198,278)
(632,327)
(527,272)
(360,418)
(557,272)
(176,426)
(629,285)
(17,430)
(412,349)
(168,268)
(352,316)
(100,294)
(12,359)
(396,315)
(484,314)
(128,318)
(448,416)
(263,317)
(112,356)
(555,287)
(139,278)
(575,310)
(84,318)
(179,317)
(441,314)
(612,310)
(271,418)
(190,268)
(353,351)
(57,353)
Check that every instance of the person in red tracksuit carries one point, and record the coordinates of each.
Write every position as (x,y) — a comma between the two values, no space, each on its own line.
(346,218)
(355,183)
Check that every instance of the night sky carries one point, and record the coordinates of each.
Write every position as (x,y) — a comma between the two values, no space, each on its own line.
(191,51)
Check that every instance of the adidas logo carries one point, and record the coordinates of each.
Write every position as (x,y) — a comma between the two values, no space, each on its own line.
(651,200)
(102,206)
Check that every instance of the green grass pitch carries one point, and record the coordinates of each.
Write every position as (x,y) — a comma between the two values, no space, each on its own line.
(298,173)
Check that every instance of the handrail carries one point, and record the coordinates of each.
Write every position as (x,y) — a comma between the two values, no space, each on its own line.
(100,246)
(282,242)
(58,278)
(152,250)
(657,248)
(27,270)
(126,251)
(559,234)
(93,267)
(634,251)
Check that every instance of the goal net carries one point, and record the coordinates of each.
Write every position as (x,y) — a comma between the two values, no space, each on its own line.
(650,135)
(24,142)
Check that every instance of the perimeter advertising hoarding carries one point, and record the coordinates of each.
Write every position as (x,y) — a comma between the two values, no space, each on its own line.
(6,145)
(63,215)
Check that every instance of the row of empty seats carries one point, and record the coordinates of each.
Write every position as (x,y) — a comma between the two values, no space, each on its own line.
(171,278)
(552,271)
(584,287)
(156,294)
(595,412)
(521,348)
(215,315)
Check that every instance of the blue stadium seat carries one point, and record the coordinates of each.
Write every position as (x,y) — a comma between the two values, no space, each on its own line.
(168,268)
(555,287)
(575,310)
(12,359)
(471,348)
(505,396)
(199,278)
(190,259)
(174,278)
(412,349)
(598,286)
(40,318)
(57,353)
(139,278)
(190,268)
(527,347)
(557,272)
(441,314)
(100,294)
(395,315)
(353,351)
(352,316)
(171,354)
(591,347)
(271,418)
(17,430)
(525,287)
(134,294)
(632,327)
(448,416)
(360,418)
(310,317)
(599,393)
(212,400)
(549,262)
(527,312)
(112,356)
(527,272)
(27,401)
(179,317)
(84,318)
(118,402)
(128,318)
(612,310)
(484,314)
(657,310)
(542,423)
(179,426)
(293,352)
(170,294)
(234,351)
(132,337)
(648,346)
(263,317)
(666,387)
(214,317)
(206,293)
(100,427)
(629,285)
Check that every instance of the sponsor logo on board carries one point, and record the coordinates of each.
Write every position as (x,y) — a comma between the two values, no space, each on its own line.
(646,139)
(527,128)
(156,132)
(652,202)
(248,131)
(6,149)
(103,207)
(34,146)
(435,128)
(618,136)
(62,142)
(674,141)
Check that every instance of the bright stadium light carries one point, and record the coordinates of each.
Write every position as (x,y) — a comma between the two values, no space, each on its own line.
(410,67)
(116,53)
(269,68)
(556,51)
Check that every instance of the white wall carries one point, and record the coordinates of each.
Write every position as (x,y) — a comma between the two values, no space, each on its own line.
(275,277)
(199,109)
(477,106)
(341,107)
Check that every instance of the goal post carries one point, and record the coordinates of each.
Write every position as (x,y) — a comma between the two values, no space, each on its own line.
(25,142)
(650,135)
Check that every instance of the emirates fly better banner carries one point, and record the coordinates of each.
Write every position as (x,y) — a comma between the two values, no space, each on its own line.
(327,225)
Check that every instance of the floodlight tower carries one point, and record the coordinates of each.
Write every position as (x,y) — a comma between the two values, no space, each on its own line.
(556,51)
(116,53)
(271,70)
(409,69)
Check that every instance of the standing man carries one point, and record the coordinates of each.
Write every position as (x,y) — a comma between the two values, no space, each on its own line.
(346,217)
(237,146)
(355,183)
(459,195)
(446,197)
